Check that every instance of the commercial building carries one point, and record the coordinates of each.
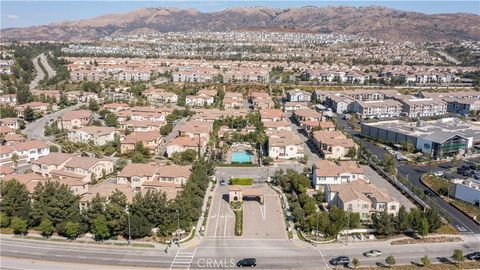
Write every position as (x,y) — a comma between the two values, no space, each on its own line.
(441,138)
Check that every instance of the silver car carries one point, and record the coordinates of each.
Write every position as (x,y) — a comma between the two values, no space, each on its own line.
(373,253)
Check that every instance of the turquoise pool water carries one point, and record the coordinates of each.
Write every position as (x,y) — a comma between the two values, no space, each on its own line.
(241,157)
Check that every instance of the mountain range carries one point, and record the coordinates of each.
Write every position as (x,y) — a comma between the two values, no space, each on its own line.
(377,22)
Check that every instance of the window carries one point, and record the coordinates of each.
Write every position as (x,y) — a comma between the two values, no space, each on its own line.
(135,179)
(393,207)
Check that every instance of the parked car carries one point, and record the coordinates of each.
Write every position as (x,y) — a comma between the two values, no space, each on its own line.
(247,262)
(372,253)
(340,260)
(223,183)
(473,256)
(438,173)
(428,192)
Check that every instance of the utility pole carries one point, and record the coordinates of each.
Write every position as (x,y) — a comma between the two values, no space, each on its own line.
(316,232)
(128,217)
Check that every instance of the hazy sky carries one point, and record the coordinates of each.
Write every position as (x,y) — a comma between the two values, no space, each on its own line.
(27,13)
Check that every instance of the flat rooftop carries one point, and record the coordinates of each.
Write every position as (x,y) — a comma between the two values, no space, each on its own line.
(438,127)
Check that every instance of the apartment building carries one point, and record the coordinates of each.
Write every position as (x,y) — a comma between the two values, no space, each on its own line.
(154,95)
(388,108)
(414,107)
(462,106)
(199,100)
(86,169)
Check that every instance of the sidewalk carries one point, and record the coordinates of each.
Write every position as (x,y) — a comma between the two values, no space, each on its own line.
(84,241)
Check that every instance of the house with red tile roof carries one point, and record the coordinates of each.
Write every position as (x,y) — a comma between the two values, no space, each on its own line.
(74,119)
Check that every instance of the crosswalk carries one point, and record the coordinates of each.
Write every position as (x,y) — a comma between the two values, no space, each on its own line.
(182,260)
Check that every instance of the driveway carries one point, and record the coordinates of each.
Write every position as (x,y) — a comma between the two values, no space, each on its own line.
(383,184)
(221,219)
(264,221)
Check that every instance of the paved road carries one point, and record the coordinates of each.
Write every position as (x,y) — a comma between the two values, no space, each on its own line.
(171,136)
(310,151)
(34,130)
(413,173)
(40,74)
(270,254)
(50,71)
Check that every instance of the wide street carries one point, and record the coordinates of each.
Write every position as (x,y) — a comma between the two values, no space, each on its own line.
(40,75)
(270,254)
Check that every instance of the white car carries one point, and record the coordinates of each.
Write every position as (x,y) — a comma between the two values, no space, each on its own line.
(438,173)
(372,253)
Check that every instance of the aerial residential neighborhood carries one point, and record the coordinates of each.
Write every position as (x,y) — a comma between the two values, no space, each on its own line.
(173,138)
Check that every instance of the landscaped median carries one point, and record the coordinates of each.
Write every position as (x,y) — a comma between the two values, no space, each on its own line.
(238,210)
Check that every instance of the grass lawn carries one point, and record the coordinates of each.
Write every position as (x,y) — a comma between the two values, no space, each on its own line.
(241,181)
(433,266)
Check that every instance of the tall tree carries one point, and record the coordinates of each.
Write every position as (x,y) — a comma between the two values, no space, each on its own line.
(100,228)
(15,199)
(56,202)
(403,220)
(46,227)
(383,223)
(19,225)
(115,212)
(29,114)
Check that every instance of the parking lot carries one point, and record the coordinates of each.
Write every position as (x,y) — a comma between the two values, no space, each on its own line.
(381,183)
(264,221)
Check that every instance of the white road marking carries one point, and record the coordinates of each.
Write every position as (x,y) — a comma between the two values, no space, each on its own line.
(323,258)
(182,260)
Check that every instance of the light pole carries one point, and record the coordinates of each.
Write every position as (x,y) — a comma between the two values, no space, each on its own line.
(128,217)
(316,232)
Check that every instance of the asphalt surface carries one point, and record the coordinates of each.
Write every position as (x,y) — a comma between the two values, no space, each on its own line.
(457,219)
(215,254)
(40,74)
(35,130)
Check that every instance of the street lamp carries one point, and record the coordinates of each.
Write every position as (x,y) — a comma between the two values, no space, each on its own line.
(128,217)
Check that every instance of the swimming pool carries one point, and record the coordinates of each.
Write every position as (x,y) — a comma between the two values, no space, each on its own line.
(241,157)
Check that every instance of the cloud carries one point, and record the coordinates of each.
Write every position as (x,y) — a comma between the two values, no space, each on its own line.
(12,16)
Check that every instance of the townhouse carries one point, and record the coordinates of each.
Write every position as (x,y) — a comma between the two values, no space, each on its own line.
(360,197)
(150,140)
(274,126)
(285,145)
(261,100)
(135,174)
(199,100)
(290,106)
(74,119)
(233,100)
(306,115)
(8,99)
(196,129)
(333,144)
(182,144)
(51,162)
(154,95)
(327,172)
(86,169)
(31,149)
(309,126)
(9,122)
(142,126)
(98,135)
(298,95)
(272,115)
